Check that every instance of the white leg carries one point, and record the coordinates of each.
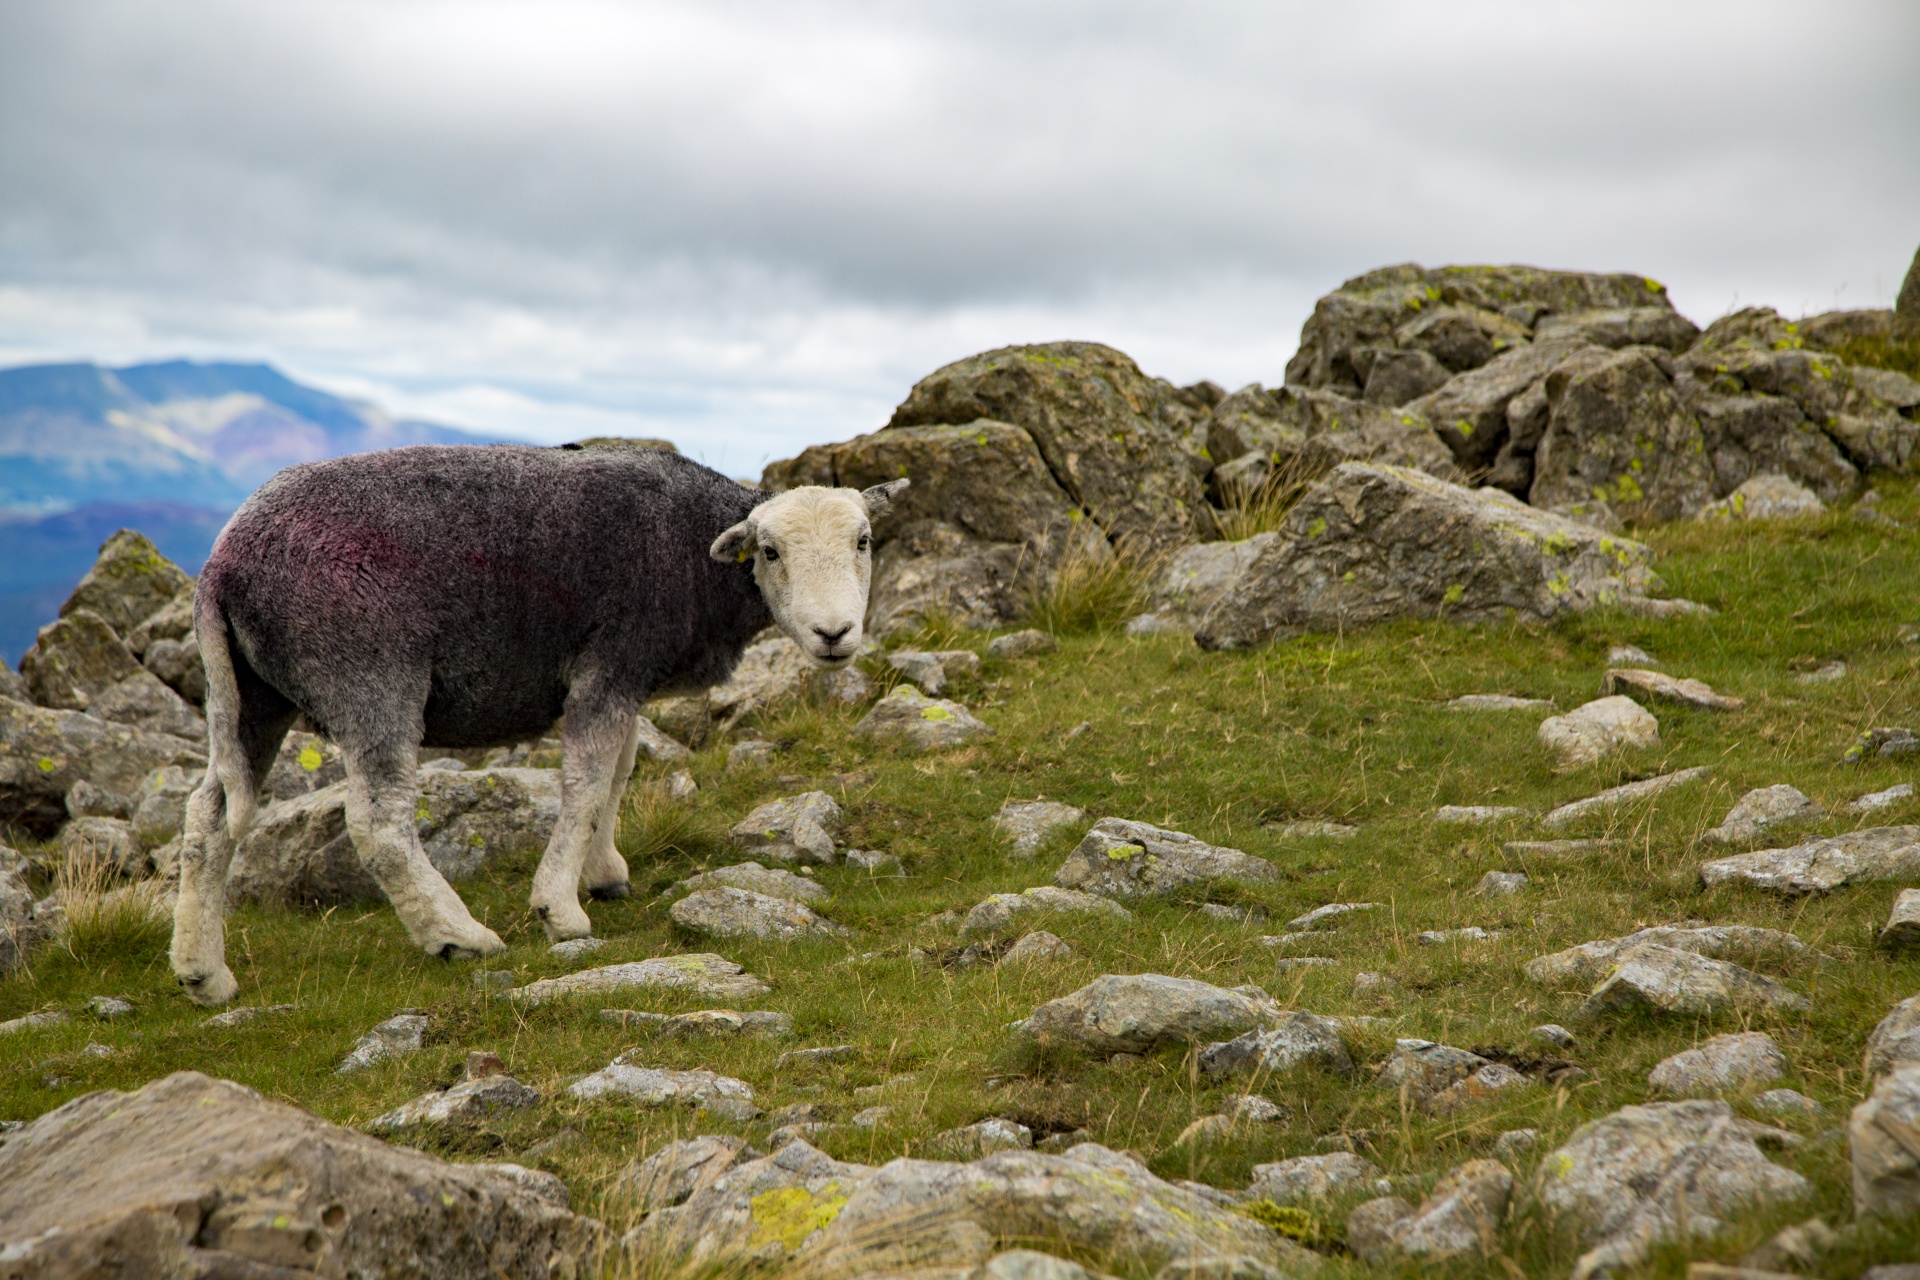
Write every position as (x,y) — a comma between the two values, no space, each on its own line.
(380,803)
(605,872)
(199,914)
(592,750)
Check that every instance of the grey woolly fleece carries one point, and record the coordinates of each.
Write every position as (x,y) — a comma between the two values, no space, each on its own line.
(465,596)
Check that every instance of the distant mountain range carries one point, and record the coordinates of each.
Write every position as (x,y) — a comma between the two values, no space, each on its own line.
(169,449)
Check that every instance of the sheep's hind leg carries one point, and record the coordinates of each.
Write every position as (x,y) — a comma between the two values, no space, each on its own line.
(605,872)
(381,792)
(593,747)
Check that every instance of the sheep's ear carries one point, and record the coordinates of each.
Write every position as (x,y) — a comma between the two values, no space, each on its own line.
(735,545)
(881,496)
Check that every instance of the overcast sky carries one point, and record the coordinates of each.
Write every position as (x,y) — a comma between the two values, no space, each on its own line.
(751,227)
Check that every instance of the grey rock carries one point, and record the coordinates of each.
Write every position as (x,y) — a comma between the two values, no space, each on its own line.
(1616,798)
(1478,815)
(1471,933)
(1515,1141)
(765,1023)
(742,913)
(1595,730)
(1665,1171)
(1367,980)
(576,948)
(1497,702)
(1233,915)
(172,621)
(933,671)
(1886,1159)
(1369,543)
(716,1218)
(1003,910)
(109,1008)
(1720,1064)
(1591,961)
(658,746)
(1499,884)
(870,1117)
(1621,327)
(1658,684)
(1026,1264)
(874,862)
(677,1170)
(816,1056)
(20,927)
(1197,578)
(1552,1033)
(1764,807)
(751,875)
(159,812)
(1628,655)
(1828,674)
(32,1022)
(489,979)
(1664,979)
(1617,430)
(44,752)
(1370,1228)
(1132,1013)
(1399,376)
(800,828)
(1825,864)
(1256,434)
(1874,801)
(700,974)
(1483,1083)
(1896,1038)
(1788,1102)
(1765,497)
(398,1036)
(1307,830)
(1903,924)
(971,1142)
(919,723)
(84,800)
(1122,859)
(1305,1178)
(1494,415)
(1036,948)
(103,842)
(1028,823)
(244,1014)
(129,582)
(1021,644)
(750,755)
(306,763)
(1424,1069)
(1331,911)
(1304,962)
(74,660)
(654,1087)
(1293,1040)
(143,701)
(1461,1216)
(1553,849)
(468,1102)
(1884,743)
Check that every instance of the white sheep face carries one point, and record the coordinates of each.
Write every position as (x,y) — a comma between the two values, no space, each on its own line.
(812,552)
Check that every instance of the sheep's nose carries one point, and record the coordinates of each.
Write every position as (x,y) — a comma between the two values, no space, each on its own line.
(833,637)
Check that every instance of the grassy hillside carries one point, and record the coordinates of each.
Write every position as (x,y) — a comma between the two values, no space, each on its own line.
(1348,728)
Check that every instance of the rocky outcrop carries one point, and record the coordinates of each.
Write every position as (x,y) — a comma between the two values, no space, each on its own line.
(1369,543)
(1296,434)
(129,582)
(1617,431)
(193,1176)
(44,753)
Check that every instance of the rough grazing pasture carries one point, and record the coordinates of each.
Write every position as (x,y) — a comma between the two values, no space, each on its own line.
(1350,729)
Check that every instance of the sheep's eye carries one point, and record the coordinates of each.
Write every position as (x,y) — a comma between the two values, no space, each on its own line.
(769,554)
(863,544)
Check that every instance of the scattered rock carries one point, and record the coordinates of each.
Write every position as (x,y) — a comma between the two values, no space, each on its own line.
(1553,849)
(747,1205)
(1664,1171)
(1828,674)
(983,1138)
(870,1117)
(1825,864)
(1425,1069)
(816,1056)
(658,746)
(1314,918)
(1367,980)
(1874,801)
(1132,1013)
(576,948)
(1293,1040)
(1308,1178)
(701,974)
(1896,1038)
(742,913)
(398,1036)
(75,659)
(650,1087)
(103,842)
(1497,884)
(1720,1064)
(1304,962)
(109,1008)
(1462,1215)
(1592,961)
(160,810)
(1657,684)
(799,828)
(932,671)
(1619,797)
(273,1186)
(1021,644)
(1664,979)
(1370,1228)
(468,1102)
(1036,948)
(1122,859)
(1471,933)
(1552,1033)
(1627,655)
(32,1022)
(1498,702)
(677,1170)
(1478,814)
(1002,911)
(1778,805)
(1590,732)
(1515,1141)
(1312,830)
(1768,497)
(1903,925)
(920,723)
(874,862)
(1233,915)
(751,875)
(1886,1157)
(241,1015)
(1788,1102)
(1027,823)
(1882,743)
(750,755)
(129,583)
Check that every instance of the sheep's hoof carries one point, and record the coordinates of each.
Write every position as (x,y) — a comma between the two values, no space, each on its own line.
(211,988)
(608,892)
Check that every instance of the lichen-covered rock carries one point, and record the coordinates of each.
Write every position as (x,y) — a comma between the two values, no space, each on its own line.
(1494,415)
(741,913)
(1765,497)
(1591,961)
(758,1208)
(1597,729)
(751,875)
(1027,823)
(1196,578)
(677,1170)
(1292,1040)
(1617,431)
(1131,1013)
(1886,1158)
(196,1176)
(103,842)
(1896,1038)
(1299,434)
(702,974)
(178,665)
(44,752)
(143,701)
(130,582)
(1825,864)
(467,818)
(1001,911)
(1123,859)
(1461,1216)
(1665,1171)
(657,1087)
(1308,1177)
(1668,980)
(918,722)
(1722,1063)
(76,658)
(1658,684)
(932,671)
(172,621)
(305,763)
(983,1138)
(467,1102)
(1764,807)
(798,828)
(1368,543)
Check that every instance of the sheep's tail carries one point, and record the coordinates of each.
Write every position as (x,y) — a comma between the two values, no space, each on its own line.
(226,755)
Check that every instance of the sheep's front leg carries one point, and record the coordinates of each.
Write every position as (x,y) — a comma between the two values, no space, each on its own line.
(380,802)
(593,747)
(199,914)
(604,871)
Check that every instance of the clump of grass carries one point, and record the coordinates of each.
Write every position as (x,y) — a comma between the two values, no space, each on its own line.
(1902,355)
(653,823)
(1095,587)
(1262,507)
(939,629)
(101,920)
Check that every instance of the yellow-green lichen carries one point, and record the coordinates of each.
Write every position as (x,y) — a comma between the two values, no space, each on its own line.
(788,1215)
(310,758)
(935,712)
(1455,594)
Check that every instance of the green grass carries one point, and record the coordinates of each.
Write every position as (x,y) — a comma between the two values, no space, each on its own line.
(1348,728)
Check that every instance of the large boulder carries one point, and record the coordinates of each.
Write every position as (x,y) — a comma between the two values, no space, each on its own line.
(757,1209)
(1122,859)
(1618,432)
(192,1176)
(75,658)
(1494,416)
(44,752)
(1369,543)
(1131,1013)
(129,583)
(1300,433)
(1109,435)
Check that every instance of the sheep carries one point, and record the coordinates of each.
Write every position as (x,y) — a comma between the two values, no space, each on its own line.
(461,596)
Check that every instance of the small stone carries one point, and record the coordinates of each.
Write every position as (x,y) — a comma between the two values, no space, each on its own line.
(1370,1228)
(1903,926)
(1664,979)
(798,828)
(1367,980)
(1592,961)
(1478,814)
(1304,962)
(654,1088)
(1118,858)
(1552,1033)
(1439,937)
(1313,918)
(1882,743)
(1462,1215)
(1765,497)
(1722,1063)
(921,724)
(107,1008)
(1251,1108)
(1618,797)
(1793,1248)
(398,1036)
(1021,644)
(974,1141)
(726,1022)
(1028,823)
(1133,1013)
(1497,884)
(1483,1083)
(1498,702)
(703,974)
(874,862)
(1036,948)
(1788,1102)
(1312,830)
(241,1015)
(814,1057)
(1656,684)
(1589,732)
(1553,848)
(473,1099)
(681,786)
(1292,939)
(576,948)
(932,671)
(751,875)
(1426,1069)
(1308,1178)
(1233,915)
(1876,800)
(871,1118)
(804,1131)
(750,755)
(493,978)
(1762,808)
(1001,911)
(1626,655)
(97,1050)
(741,913)
(1515,1141)
(1828,674)
(1029,1264)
